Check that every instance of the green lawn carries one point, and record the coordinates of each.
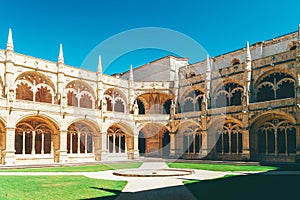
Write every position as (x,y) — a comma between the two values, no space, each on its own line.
(255,186)
(89,168)
(58,187)
(220,167)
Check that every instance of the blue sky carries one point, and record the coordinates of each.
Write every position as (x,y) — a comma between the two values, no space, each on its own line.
(219,26)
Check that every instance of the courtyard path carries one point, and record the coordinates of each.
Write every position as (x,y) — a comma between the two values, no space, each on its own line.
(148,188)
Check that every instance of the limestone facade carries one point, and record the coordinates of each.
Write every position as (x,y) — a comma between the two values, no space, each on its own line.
(243,105)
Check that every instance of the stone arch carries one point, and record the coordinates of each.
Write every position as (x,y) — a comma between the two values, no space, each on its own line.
(189,139)
(273,136)
(115,100)
(228,94)
(272,71)
(37,135)
(226,136)
(235,61)
(224,82)
(81,137)
(155,103)
(292,45)
(120,140)
(191,100)
(34,86)
(275,84)
(154,139)
(80,94)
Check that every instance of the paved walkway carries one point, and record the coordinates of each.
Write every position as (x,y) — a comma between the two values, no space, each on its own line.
(157,187)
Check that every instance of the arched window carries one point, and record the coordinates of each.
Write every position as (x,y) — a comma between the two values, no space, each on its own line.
(72,98)
(275,137)
(116,140)
(79,139)
(154,103)
(34,136)
(229,139)
(276,86)
(192,101)
(192,140)
(235,61)
(80,94)
(229,95)
(141,107)
(34,86)
(24,91)
(43,94)
(114,101)
(167,106)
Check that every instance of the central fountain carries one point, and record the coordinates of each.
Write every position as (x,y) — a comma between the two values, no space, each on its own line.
(153,172)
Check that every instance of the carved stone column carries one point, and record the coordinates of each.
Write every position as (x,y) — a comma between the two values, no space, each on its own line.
(204,144)
(63,157)
(136,153)
(103,146)
(172,144)
(10,157)
(246,142)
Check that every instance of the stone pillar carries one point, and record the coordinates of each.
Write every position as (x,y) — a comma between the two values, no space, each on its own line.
(130,147)
(97,146)
(136,154)
(246,144)
(33,143)
(172,144)
(10,157)
(63,157)
(103,146)
(204,144)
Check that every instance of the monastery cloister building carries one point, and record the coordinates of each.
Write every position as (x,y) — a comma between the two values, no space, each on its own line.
(242,105)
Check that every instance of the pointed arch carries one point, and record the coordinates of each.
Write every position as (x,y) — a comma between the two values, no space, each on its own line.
(115,100)
(80,94)
(34,86)
(272,135)
(36,135)
(154,139)
(155,103)
(230,94)
(275,85)
(81,137)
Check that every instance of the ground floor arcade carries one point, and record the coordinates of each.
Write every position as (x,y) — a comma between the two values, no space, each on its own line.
(38,139)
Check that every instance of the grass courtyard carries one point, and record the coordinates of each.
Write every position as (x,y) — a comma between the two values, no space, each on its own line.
(58,187)
(62,187)
(87,168)
(252,186)
(221,167)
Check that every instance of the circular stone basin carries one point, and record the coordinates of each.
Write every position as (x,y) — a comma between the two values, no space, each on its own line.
(153,172)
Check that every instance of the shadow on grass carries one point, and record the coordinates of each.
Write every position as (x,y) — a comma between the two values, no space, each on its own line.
(254,186)
(114,196)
